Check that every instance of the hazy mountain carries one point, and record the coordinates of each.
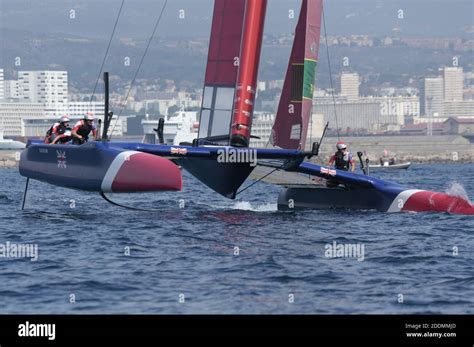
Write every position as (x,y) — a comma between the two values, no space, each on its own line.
(45,36)
(95,18)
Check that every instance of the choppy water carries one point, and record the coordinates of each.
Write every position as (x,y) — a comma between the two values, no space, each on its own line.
(190,251)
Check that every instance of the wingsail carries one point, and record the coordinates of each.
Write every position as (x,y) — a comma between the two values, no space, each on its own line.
(229,90)
(248,71)
(222,68)
(294,110)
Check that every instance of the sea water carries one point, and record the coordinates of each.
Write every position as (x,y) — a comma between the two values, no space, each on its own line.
(201,253)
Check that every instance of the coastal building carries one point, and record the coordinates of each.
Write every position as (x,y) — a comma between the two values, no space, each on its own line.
(160,102)
(419,120)
(263,123)
(453,83)
(2,88)
(80,108)
(262,128)
(13,113)
(459,126)
(326,98)
(46,87)
(423,129)
(363,115)
(10,90)
(461,108)
(434,96)
(440,126)
(350,86)
(397,106)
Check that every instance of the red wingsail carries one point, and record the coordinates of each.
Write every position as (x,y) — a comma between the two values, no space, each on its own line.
(222,68)
(294,110)
(248,71)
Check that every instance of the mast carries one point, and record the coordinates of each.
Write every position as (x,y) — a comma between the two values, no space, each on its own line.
(248,71)
(106,106)
(296,102)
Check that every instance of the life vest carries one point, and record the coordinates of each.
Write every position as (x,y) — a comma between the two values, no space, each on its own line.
(65,137)
(84,130)
(56,130)
(342,160)
(47,138)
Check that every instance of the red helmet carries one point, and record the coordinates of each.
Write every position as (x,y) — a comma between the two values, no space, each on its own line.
(88,116)
(341,145)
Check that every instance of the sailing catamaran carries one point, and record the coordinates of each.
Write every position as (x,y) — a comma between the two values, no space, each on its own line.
(225,131)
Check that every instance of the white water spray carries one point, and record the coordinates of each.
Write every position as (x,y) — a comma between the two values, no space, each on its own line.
(456,189)
(247,206)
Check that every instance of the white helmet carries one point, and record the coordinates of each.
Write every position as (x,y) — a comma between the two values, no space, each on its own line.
(341,145)
(64,119)
(88,116)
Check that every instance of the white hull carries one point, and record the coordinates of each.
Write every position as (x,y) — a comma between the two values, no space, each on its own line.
(390,167)
(9,145)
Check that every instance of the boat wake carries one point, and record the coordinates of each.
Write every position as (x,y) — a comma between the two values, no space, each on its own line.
(247,206)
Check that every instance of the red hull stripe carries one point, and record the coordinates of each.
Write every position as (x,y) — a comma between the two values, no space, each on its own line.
(438,202)
(133,171)
(401,199)
(424,200)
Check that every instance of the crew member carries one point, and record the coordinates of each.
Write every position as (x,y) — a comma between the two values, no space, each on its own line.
(82,129)
(342,159)
(64,138)
(57,129)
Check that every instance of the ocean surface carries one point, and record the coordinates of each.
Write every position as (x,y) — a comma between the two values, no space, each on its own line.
(201,253)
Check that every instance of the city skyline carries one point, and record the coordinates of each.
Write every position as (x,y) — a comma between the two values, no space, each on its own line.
(45,95)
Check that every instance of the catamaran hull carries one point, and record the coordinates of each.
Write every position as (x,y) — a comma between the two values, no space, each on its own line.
(97,167)
(134,167)
(329,198)
(410,200)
